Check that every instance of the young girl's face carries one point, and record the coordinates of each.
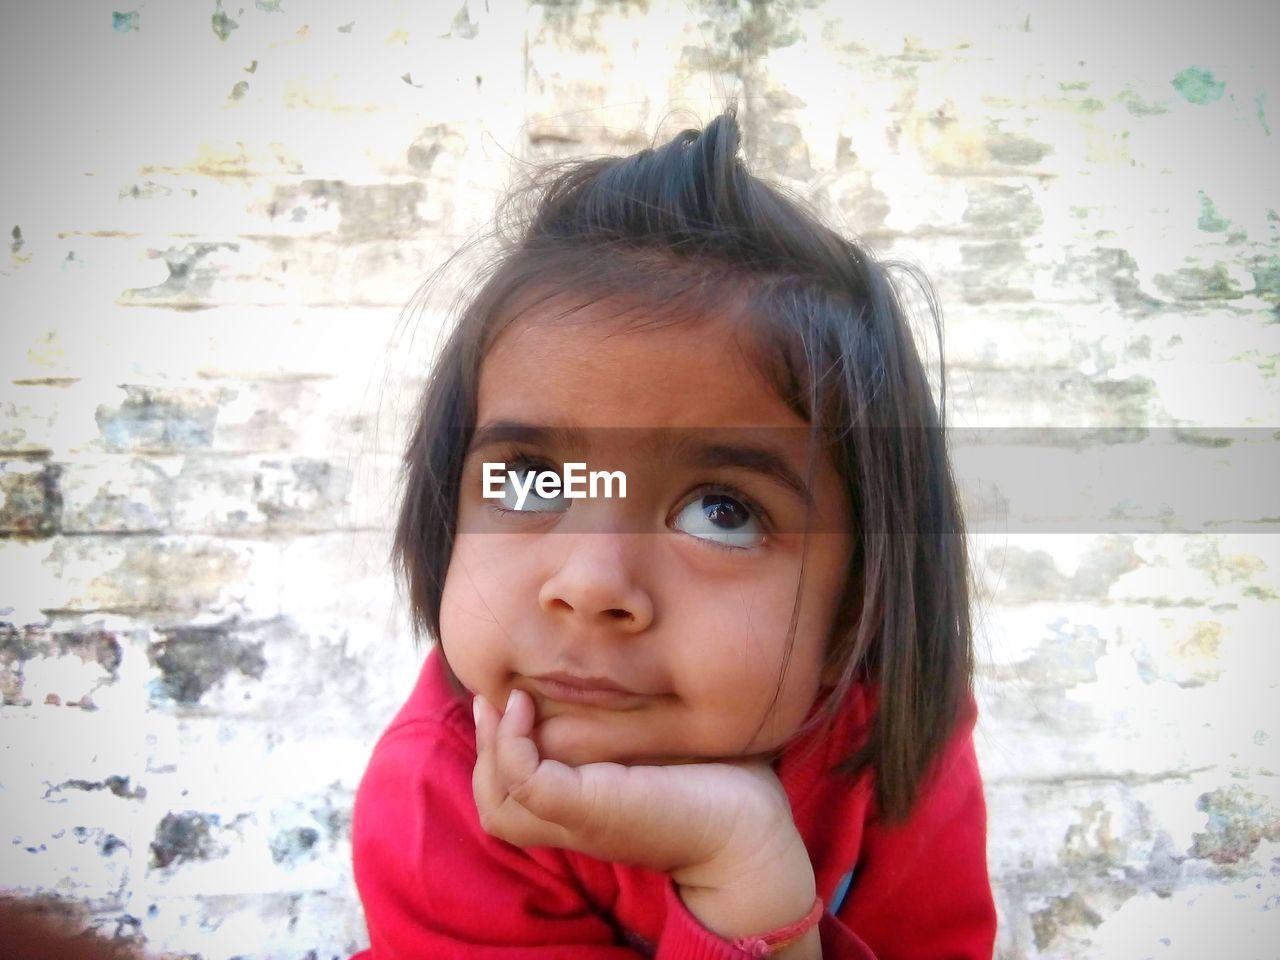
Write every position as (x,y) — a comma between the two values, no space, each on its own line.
(639,633)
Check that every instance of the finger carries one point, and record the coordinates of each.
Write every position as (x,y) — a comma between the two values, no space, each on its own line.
(486,783)
(504,818)
(503,759)
(517,719)
(515,753)
(564,795)
(486,722)
(505,754)
(636,815)
(657,817)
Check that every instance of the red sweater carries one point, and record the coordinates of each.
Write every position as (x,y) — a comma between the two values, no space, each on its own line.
(434,884)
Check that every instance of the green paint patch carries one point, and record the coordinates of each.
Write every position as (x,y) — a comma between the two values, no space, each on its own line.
(1259,101)
(222,24)
(1013,149)
(1266,278)
(1209,220)
(268,6)
(1139,107)
(1198,86)
(1199,283)
(462,28)
(124,22)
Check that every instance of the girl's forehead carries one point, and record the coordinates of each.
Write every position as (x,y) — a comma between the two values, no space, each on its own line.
(596,368)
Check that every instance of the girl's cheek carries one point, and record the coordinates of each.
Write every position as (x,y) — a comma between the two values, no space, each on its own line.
(479,603)
(465,612)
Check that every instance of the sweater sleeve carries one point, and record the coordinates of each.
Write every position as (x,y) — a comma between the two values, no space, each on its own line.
(434,884)
(921,889)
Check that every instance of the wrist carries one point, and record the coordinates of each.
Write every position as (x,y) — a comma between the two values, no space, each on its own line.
(771,891)
(807,947)
(794,940)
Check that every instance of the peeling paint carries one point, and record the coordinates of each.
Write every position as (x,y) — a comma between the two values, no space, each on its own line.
(1033,575)
(462,28)
(182,837)
(384,210)
(1188,656)
(1198,86)
(193,660)
(1071,910)
(30,499)
(221,23)
(1091,843)
(1017,150)
(1139,107)
(153,418)
(116,785)
(293,846)
(1002,209)
(1200,283)
(1069,656)
(1266,277)
(20,646)
(1209,220)
(192,271)
(106,843)
(1111,271)
(1239,820)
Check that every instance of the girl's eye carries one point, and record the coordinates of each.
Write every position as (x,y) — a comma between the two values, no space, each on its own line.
(722,519)
(526,478)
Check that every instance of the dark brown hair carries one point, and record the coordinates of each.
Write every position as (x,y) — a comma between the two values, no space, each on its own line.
(686,231)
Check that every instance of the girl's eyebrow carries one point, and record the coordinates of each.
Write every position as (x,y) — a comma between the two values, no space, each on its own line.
(515,431)
(757,459)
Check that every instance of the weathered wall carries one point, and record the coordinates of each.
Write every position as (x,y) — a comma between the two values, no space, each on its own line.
(214,213)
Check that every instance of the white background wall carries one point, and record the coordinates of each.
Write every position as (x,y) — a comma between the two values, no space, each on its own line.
(214,217)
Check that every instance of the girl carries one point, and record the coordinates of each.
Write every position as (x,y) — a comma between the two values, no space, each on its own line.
(750,735)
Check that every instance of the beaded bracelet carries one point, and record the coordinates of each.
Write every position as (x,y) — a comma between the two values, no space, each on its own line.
(764,944)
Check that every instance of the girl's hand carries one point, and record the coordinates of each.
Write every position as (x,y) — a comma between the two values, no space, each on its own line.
(723,831)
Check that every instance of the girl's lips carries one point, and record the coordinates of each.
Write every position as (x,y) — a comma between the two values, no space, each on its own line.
(597,691)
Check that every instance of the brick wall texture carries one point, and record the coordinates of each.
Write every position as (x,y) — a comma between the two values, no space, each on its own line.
(216,214)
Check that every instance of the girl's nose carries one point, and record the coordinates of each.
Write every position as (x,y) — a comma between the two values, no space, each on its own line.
(596,584)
